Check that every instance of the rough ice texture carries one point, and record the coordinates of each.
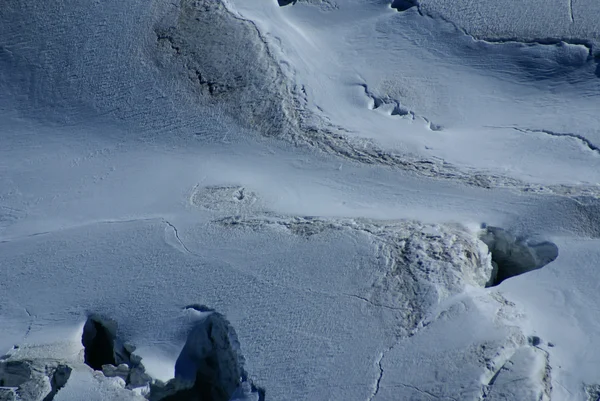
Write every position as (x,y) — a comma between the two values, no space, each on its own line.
(32,380)
(251,86)
(420,264)
(530,368)
(532,21)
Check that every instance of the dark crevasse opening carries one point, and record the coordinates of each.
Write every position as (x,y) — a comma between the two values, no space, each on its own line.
(100,343)
(403,5)
(512,256)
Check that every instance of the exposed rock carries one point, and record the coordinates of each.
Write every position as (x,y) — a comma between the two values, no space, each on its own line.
(8,394)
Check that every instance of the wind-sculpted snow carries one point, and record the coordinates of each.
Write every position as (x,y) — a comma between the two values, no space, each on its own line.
(393,107)
(264,98)
(316,170)
(556,20)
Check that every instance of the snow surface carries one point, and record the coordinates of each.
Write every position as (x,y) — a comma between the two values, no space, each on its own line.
(319,174)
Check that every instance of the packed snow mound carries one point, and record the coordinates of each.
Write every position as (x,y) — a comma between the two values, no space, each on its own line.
(512,256)
(418,265)
(232,199)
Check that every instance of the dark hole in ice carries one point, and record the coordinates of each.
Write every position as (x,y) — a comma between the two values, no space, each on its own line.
(403,5)
(513,256)
(286,2)
(534,340)
(99,342)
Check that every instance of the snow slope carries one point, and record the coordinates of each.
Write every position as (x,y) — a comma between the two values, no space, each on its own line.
(318,174)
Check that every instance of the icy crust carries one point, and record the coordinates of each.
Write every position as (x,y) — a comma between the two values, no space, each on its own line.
(420,264)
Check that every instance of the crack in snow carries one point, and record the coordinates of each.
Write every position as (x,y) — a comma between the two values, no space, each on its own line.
(500,40)
(30,323)
(571,17)
(425,392)
(176,233)
(583,139)
(547,376)
(372,303)
(377,385)
(398,109)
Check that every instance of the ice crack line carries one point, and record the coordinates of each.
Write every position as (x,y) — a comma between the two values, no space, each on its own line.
(372,303)
(177,236)
(427,393)
(571,11)
(378,381)
(583,139)
(589,144)
(32,318)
